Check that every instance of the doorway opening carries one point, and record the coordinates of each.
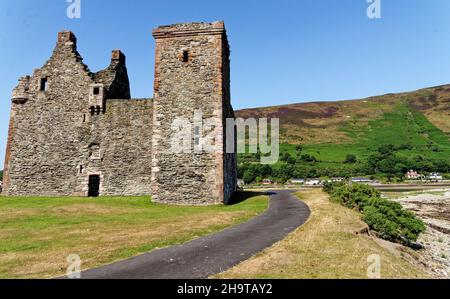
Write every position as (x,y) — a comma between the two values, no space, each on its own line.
(94,186)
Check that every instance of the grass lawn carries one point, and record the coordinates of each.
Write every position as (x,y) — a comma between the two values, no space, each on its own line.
(325,247)
(37,234)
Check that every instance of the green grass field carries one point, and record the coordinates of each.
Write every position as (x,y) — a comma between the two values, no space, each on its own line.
(330,131)
(37,234)
(401,126)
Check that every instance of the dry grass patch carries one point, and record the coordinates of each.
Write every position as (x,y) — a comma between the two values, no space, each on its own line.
(101,231)
(325,247)
(436,118)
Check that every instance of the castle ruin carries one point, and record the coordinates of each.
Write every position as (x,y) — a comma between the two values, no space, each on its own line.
(73,132)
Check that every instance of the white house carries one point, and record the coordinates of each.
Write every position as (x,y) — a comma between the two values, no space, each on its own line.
(413,175)
(361,180)
(337,180)
(312,182)
(267,182)
(297,181)
(435,177)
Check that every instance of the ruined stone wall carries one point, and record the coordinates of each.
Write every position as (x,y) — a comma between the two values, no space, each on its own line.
(68,123)
(43,150)
(189,76)
(118,147)
(56,141)
(230,159)
(115,77)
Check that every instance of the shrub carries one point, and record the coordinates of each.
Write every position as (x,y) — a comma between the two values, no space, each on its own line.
(388,219)
(350,159)
(308,158)
(391,222)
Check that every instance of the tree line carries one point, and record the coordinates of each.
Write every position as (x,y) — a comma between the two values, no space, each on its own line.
(384,163)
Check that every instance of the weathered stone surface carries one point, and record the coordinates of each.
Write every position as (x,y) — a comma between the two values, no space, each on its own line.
(191,74)
(53,132)
(68,123)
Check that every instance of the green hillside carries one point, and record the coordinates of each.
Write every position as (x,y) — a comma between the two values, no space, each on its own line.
(387,135)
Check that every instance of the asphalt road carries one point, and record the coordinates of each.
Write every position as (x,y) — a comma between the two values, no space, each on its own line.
(216,253)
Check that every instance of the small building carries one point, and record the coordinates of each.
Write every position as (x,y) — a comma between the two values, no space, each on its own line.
(337,180)
(413,175)
(361,180)
(313,182)
(297,181)
(267,182)
(435,177)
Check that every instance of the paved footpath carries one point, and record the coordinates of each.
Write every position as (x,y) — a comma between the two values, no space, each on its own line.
(216,253)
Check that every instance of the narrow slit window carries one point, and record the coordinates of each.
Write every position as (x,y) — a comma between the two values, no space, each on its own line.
(81,168)
(44,84)
(84,118)
(185,56)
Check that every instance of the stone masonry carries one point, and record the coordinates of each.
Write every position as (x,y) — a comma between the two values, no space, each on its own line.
(69,125)
(191,74)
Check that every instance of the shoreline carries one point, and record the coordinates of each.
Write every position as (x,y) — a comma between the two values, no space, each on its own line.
(433,207)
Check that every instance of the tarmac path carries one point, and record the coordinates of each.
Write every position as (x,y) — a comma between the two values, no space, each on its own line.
(215,253)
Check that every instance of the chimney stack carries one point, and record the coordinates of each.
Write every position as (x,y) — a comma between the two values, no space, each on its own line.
(65,37)
(118,56)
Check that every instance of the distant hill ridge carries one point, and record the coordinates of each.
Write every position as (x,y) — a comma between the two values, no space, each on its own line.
(348,121)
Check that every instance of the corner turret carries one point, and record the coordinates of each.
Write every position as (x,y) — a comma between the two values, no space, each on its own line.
(114,79)
(21,92)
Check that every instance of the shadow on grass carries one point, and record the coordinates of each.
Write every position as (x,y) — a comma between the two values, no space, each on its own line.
(241,196)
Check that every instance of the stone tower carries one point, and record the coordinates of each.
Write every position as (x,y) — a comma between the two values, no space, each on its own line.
(192,76)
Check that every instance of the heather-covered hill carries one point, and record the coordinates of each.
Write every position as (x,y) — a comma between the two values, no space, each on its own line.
(415,126)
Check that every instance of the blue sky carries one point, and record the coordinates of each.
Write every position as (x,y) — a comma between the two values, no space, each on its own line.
(283,51)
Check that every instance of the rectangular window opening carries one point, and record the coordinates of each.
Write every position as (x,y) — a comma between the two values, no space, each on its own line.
(44,84)
(185,56)
(96,90)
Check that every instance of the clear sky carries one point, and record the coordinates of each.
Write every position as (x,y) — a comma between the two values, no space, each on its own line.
(283,51)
